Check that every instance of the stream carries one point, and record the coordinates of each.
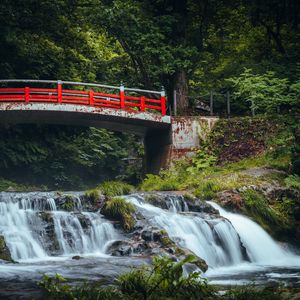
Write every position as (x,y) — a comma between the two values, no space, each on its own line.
(43,238)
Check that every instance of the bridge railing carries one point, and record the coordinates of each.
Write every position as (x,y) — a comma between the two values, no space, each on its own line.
(91,97)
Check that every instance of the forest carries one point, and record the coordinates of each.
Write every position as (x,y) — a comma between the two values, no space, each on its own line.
(80,219)
(246,48)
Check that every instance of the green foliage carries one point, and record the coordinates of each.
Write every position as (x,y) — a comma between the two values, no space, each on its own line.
(165,280)
(115,188)
(254,293)
(57,288)
(121,210)
(265,92)
(207,190)
(69,203)
(257,207)
(292,181)
(92,195)
(201,160)
(164,182)
(296,158)
(62,157)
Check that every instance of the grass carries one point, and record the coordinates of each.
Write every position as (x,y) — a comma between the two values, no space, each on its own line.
(207,182)
(92,195)
(115,188)
(121,210)
(256,206)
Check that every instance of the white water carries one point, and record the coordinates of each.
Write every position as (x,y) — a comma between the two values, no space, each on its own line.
(232,245)
(261,248)
(219,241)
(215,240)
(27,234)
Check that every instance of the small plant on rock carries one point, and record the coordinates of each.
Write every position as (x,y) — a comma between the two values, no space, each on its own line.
(121,210)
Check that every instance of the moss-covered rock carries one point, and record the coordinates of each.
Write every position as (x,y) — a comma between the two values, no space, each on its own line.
(115,188)
(119,209)
(4,251)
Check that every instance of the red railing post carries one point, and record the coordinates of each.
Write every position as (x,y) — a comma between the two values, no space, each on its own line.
(91,97)
(59,91)
(26,94)
(163,101)
(122,96)
(142,108)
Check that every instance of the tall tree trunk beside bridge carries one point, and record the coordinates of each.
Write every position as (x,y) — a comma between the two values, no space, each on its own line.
(181,88)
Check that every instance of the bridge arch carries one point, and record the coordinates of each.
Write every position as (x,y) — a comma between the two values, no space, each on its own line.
(118,112)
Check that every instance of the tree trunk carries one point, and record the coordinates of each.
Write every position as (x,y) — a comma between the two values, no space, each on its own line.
(181,88)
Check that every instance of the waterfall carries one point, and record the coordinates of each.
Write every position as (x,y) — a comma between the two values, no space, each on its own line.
(222,241)
(34,228)
(213,239)
(261,248)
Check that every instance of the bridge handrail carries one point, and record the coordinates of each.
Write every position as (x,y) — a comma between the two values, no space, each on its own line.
(63,96)
(80,83)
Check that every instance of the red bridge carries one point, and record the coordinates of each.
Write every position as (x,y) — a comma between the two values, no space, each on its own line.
(137,111)
(117,108)
(80,97)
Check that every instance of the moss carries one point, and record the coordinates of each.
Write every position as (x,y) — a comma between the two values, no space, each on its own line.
(92,195)
(115,188)
(189,197)
(69,203)
(4,251)
(120,210)
(256,206)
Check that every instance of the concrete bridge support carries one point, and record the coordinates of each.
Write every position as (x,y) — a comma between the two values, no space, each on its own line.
(164,147)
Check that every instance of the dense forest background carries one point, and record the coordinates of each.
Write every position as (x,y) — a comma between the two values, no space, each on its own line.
(250,48)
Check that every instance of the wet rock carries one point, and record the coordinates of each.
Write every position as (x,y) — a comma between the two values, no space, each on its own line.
(197,205)
(4,250)
(230,199)
(76,257)
(120,248)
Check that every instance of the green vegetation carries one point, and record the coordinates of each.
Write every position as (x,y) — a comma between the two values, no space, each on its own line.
(7,185)
(256,293)
(69,203)
(256,206)
(92,195)
(164,280)
(61,157)
(4,251)
(292,181)
(115,188)
(121,210)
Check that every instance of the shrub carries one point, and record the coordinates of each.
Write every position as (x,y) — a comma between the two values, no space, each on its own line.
(121,210)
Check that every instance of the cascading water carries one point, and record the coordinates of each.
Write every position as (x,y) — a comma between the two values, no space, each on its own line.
(261,248)
(228,240)
(34,228)
(215,240)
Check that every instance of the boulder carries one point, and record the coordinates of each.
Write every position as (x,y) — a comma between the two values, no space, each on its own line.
(4,250)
